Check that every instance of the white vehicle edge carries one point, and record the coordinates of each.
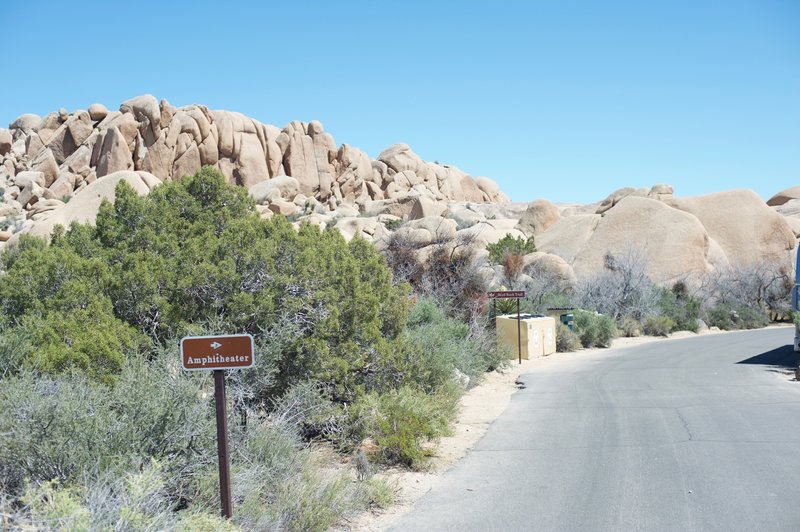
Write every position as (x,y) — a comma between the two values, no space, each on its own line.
(796,302)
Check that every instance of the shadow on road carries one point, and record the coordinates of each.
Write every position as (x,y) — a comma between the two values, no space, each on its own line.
(783,357)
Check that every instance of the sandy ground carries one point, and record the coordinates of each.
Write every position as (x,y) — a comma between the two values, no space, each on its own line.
(480,406)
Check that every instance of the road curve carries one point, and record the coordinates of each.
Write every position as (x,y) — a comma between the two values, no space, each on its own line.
(695,434)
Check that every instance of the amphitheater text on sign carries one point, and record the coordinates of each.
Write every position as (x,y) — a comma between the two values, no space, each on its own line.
(217,352)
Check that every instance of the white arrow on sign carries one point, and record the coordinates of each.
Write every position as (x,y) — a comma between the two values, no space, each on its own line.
(216,345)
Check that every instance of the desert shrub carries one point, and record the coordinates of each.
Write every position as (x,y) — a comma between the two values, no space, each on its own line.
(69,429)
(379,493)
(452,275)
(622,289)
(433,348)
(307,500)
(607,331)
(566,340)
(136,500)
(62,340)
(48,506)
(207,521)
(402,420)
(40,421)
(448,271)
(764,285)
(681,307)
(393,225)
(277,484)
(658,325)
(508,245)
(451,344)
(629,327)
(15,349)
(41,278)
(594,329)
(732,316)
(140,500)
(307,408)
(129,500)
(5,223)
(585,326)
(142,454)
(401,257)
(26,243)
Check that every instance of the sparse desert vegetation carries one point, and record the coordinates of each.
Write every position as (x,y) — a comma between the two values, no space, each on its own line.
(102,429)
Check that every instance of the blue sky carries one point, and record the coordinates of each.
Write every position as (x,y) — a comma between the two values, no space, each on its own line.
(560,100)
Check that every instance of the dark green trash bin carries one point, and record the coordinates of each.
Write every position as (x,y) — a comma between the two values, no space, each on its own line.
(564,315)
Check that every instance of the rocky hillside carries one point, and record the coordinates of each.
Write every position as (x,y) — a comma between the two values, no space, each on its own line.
(677,236)
(58,168)
(69,151)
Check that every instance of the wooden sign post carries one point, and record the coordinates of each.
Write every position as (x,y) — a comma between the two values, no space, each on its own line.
(219,353)
(510,294)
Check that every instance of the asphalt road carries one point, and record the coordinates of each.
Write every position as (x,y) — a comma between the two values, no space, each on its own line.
(694,434)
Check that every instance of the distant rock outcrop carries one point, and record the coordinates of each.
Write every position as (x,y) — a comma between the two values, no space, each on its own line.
(70,151)
(741,223)
(672,242)
(83,208)
(675,236)
(780,198)
(540,215)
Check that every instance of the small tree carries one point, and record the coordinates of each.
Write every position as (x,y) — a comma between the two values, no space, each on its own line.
(509,252)
(508,245)
(682,309)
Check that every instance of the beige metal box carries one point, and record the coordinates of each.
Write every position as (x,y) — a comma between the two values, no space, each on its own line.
(538,335)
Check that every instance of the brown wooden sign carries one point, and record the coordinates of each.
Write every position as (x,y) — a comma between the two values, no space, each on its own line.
(217,352)
(507,294)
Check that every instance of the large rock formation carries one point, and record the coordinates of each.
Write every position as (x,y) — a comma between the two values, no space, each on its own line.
(672,242)
(568,236)
(540,215)
(83,207)
(742,224)
(782,197)
(69,152)
(675,236)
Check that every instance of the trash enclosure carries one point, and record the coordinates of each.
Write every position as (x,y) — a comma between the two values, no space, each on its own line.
(537,335)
